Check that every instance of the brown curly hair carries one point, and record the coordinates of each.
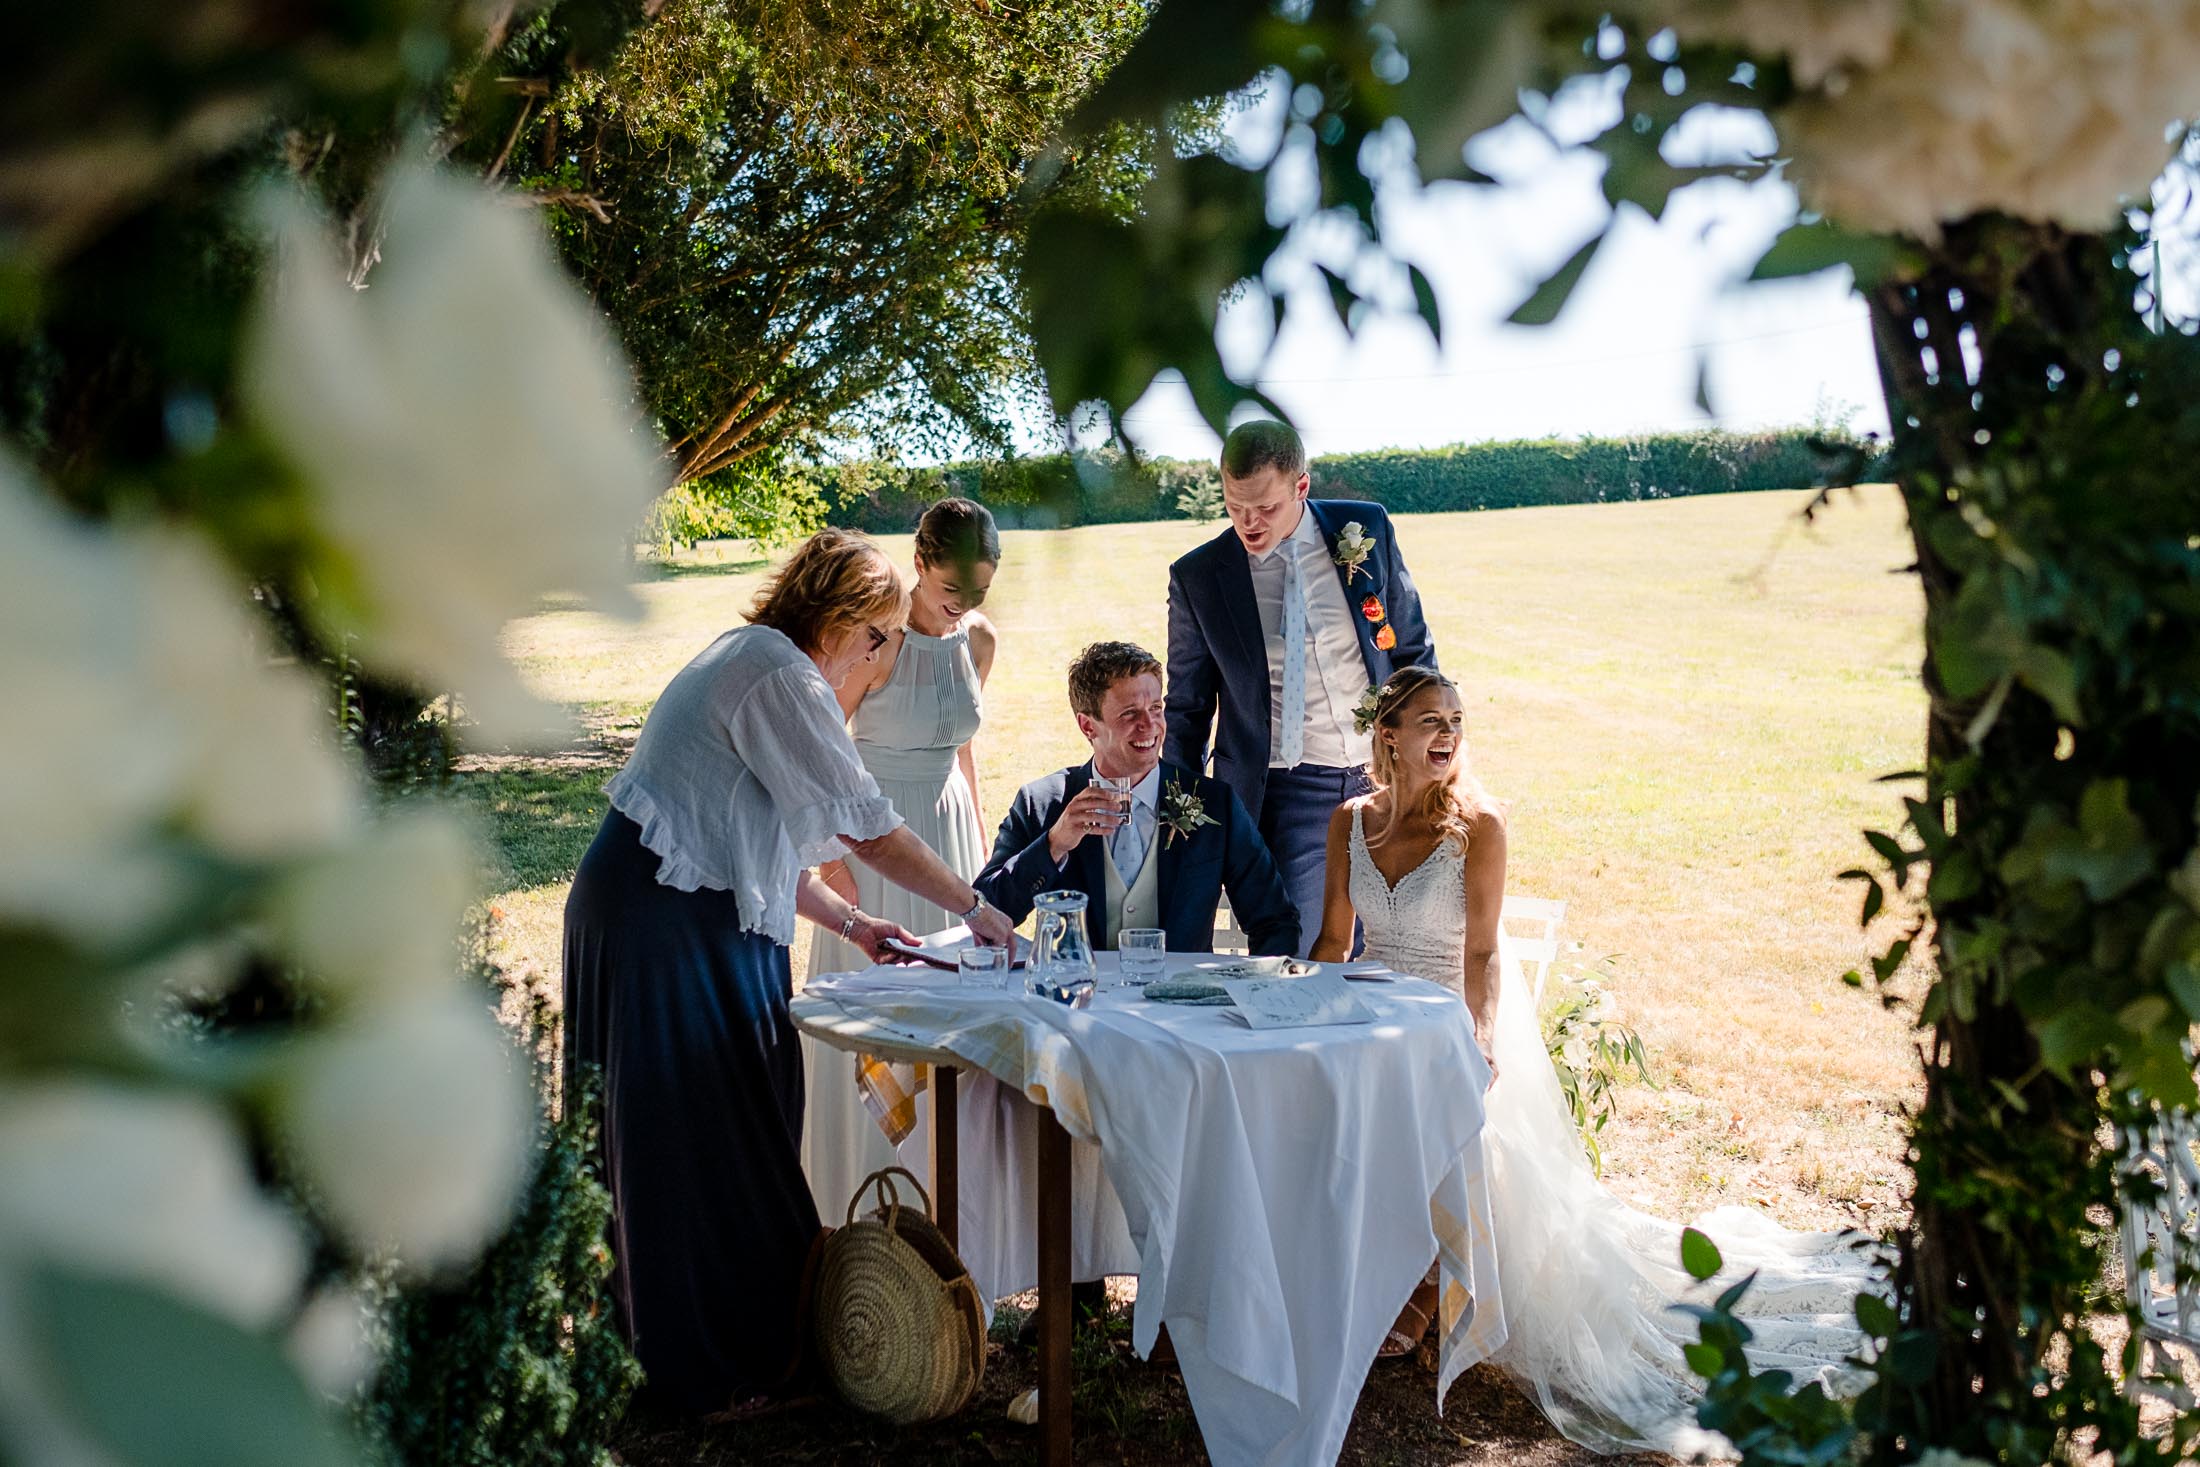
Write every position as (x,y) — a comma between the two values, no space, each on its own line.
(835,580)
(1100,667)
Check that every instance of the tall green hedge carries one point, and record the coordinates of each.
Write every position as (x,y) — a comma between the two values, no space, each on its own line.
(1105,488)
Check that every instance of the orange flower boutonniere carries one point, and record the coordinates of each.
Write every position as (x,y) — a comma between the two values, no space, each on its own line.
(1386,639)
(1372,608)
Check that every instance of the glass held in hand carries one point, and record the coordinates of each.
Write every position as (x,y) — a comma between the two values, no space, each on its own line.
(982,967)
(1120,790)
(1144,954)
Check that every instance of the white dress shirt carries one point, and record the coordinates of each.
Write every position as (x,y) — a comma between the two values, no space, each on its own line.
(1336,673)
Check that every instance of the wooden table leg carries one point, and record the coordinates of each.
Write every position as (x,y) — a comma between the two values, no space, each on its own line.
(946,1178)
(1054,1305)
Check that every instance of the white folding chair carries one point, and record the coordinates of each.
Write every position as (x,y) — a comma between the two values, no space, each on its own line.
(2155,1237)
(1532,924)
(1230,938)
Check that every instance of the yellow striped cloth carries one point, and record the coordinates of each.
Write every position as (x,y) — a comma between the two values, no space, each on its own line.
(890,1093)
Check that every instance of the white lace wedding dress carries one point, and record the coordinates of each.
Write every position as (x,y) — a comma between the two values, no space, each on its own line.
(1588,1281)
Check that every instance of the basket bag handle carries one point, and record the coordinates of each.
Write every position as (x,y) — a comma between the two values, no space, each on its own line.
(889,1198)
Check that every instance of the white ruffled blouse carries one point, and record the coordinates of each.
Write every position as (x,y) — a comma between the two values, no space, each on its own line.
(745,773)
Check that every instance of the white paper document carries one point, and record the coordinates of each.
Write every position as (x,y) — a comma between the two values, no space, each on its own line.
(939,948)
(1295,1003)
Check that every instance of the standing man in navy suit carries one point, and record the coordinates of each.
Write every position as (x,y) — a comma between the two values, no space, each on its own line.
(1186,842)
(1281,624)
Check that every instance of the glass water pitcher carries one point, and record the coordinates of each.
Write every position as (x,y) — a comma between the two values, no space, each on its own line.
(1062,966)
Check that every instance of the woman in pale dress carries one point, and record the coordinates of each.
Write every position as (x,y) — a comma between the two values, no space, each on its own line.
(915,715)
(1587,1282)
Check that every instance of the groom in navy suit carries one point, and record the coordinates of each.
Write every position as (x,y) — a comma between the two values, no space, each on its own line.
(1186,841)
(1281,624)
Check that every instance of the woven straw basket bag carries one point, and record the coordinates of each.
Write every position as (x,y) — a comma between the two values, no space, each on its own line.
(898,1322)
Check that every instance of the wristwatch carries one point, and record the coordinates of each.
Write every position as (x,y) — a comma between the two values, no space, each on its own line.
(975,907)
(848,923)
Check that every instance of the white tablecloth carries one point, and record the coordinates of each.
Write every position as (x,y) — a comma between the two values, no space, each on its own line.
(1279,1192)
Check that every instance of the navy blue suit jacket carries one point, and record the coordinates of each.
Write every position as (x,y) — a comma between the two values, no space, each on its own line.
(1195,870)
(1218,658)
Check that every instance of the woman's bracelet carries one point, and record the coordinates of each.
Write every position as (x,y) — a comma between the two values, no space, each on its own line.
(848,923)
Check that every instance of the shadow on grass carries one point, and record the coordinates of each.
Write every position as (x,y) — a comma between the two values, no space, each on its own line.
(698,562)
(540,820)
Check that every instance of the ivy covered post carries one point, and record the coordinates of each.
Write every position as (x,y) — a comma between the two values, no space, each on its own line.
(2046,445)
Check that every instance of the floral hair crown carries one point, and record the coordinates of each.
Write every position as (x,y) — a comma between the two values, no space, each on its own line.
(1376,702)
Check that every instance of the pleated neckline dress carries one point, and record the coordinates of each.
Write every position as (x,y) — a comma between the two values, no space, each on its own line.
(909,733)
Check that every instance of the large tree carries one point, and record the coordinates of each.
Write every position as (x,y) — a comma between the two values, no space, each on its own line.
(803,219)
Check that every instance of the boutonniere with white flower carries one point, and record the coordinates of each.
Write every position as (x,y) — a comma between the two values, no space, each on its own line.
(1182,812)
(1353,549)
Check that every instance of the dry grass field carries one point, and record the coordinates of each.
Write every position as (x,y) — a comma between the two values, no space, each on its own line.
(1688,703)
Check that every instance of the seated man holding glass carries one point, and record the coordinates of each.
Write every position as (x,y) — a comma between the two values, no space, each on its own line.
(1152,845)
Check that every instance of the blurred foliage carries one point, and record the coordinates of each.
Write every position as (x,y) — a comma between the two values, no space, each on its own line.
(519,1362)
(1103,486)
(1382,97)
(1767,1418)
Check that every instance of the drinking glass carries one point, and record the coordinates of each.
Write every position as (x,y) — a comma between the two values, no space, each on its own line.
(982,967)
(1121,790)
(1143,952)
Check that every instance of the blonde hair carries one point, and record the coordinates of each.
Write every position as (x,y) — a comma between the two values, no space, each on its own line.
(835,580)
(1451,803)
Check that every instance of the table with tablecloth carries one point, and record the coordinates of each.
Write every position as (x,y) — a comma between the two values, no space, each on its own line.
(1278,1192)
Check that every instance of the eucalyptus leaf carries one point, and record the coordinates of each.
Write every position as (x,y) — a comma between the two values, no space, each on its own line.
(2075,1035)
(1548,299)
(1189,49)
(1877,1317)
(162,1383)
(1806,249)
(1699,1255)
(2183,981)
(2054,677)
(1910,1356)
(1424,301)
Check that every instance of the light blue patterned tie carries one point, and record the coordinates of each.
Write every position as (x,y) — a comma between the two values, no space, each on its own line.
(1128,845)
(1293,712)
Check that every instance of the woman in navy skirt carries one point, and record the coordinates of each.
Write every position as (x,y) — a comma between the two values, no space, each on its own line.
(676,969)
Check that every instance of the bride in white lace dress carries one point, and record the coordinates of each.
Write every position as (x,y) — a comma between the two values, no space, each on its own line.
(1588,1282)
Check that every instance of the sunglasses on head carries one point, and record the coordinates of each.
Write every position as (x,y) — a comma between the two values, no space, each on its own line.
(878,638)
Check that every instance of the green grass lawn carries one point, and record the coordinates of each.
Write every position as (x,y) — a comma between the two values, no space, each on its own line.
(1687,703)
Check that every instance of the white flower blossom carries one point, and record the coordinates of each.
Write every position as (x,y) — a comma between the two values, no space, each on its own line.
(1818,37)
(141,709)
(1918,112)
(2044,109)
(149,1185)
(332,1342)
(154,1187)
(413,1123)
(1943,1457)
(467,432)
(378,919)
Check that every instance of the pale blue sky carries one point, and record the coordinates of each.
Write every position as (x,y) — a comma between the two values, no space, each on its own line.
(1662,300)
(1660,297)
